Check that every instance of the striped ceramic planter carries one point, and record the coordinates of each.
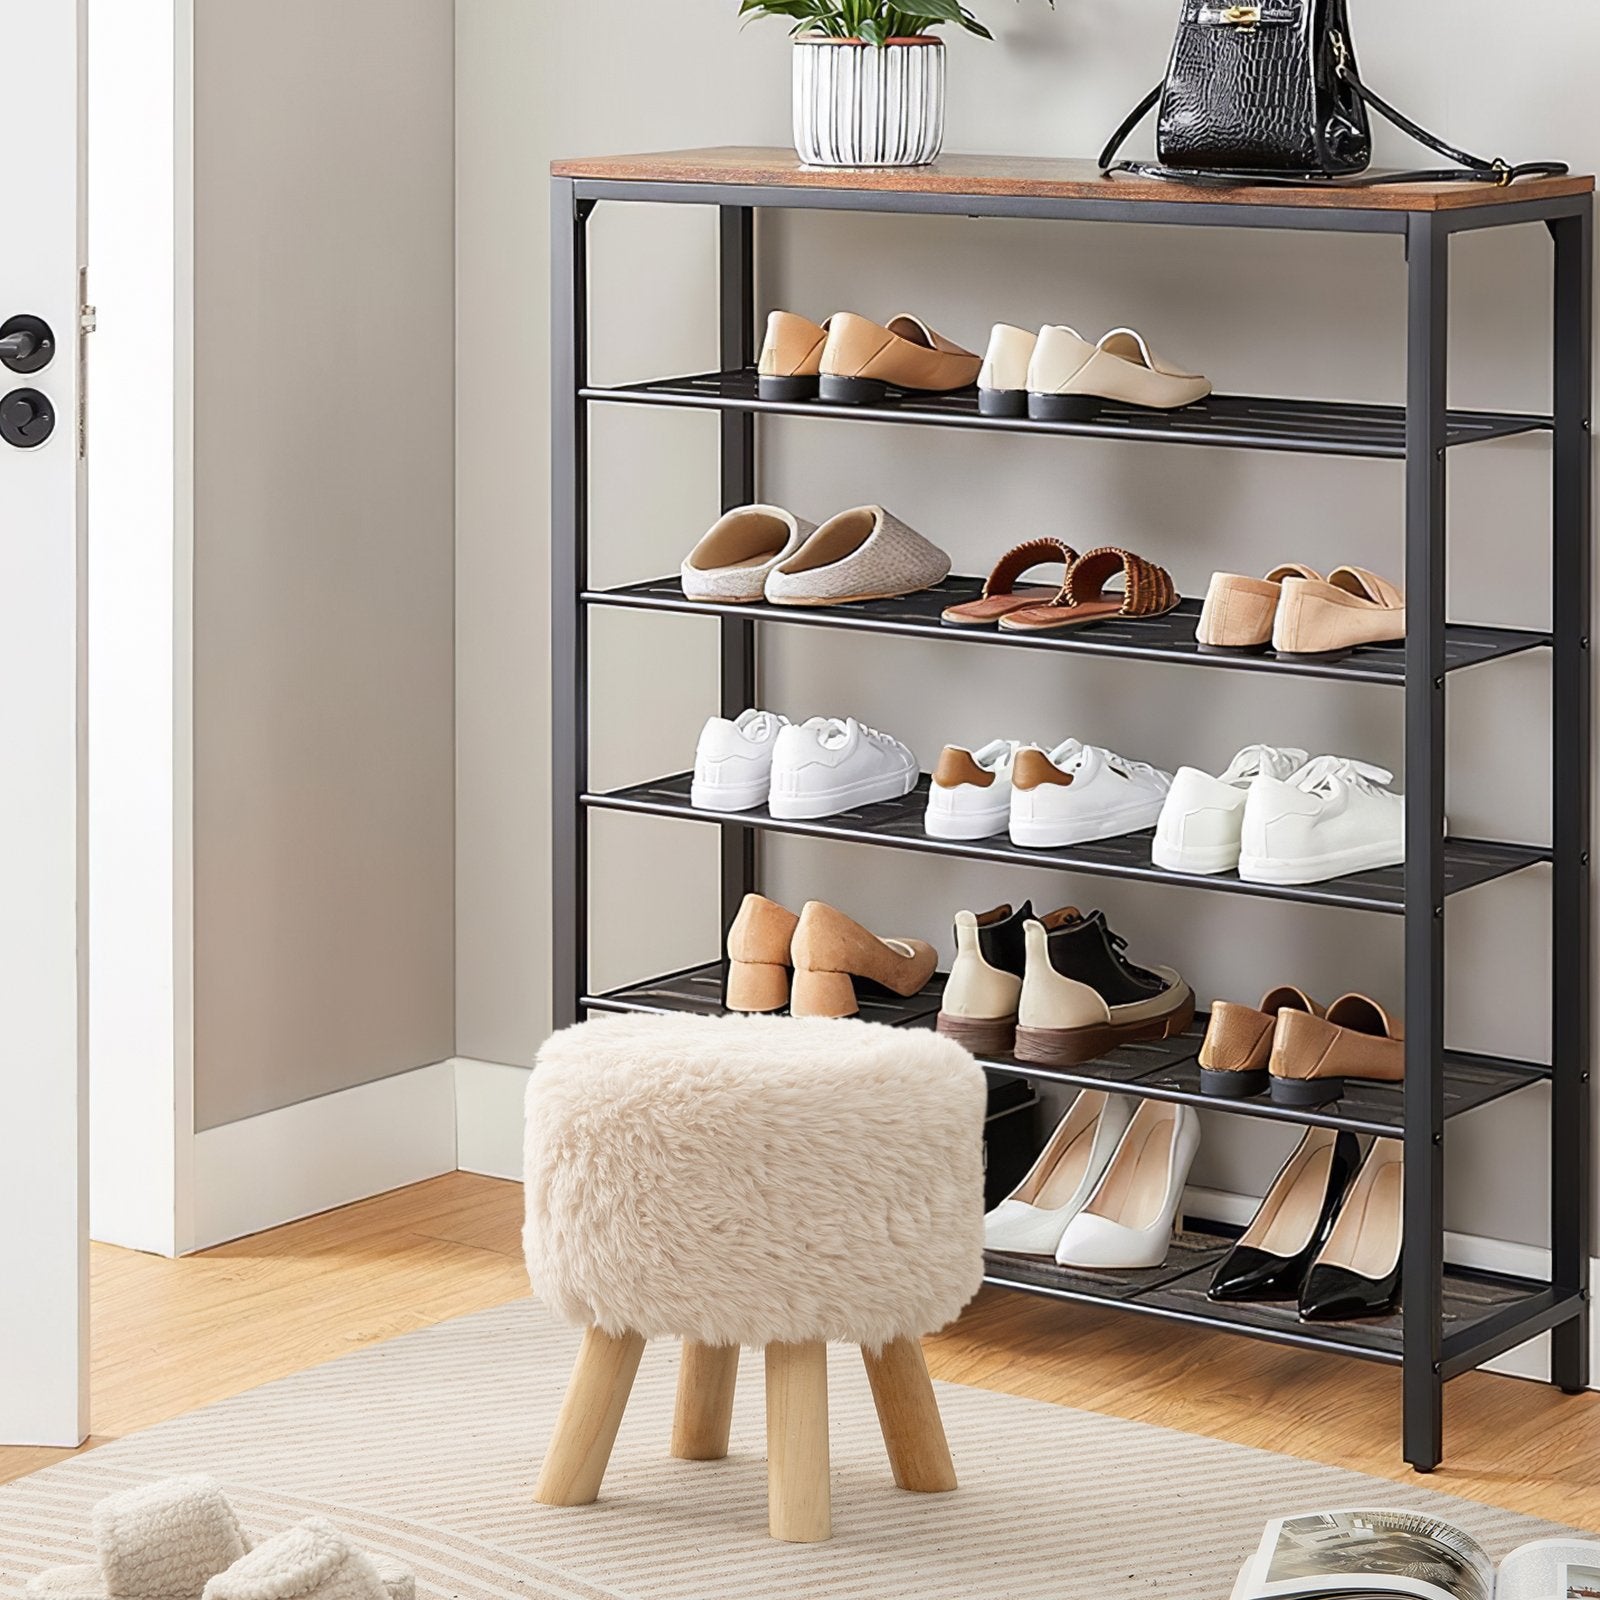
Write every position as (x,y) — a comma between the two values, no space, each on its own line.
(859,105)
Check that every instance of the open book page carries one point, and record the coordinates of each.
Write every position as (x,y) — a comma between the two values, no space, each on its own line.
(1328,1553)
(1551,1569)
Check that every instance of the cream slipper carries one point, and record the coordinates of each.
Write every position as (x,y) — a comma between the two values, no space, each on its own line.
(311,1561)
(168,1541)
(731,563)
(863,554)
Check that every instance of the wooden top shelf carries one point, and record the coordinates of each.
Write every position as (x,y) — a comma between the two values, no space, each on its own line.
(1039,177)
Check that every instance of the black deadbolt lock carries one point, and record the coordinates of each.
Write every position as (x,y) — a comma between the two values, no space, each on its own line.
(27,418)
(26,344)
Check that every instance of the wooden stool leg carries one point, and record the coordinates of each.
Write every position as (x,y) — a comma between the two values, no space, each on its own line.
(908,1414)
(704,1411)
(797,1443)
(597,1394)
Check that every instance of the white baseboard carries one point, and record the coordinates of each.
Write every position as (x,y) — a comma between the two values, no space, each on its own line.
(268,1170)
(489,1117)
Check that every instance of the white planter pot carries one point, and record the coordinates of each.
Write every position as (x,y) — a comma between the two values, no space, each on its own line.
(861,105)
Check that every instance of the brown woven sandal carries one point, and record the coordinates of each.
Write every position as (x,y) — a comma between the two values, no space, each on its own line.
(1000,595)
(1148,591)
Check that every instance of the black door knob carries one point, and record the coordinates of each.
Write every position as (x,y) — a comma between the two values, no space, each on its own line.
(26,344)
(27,418)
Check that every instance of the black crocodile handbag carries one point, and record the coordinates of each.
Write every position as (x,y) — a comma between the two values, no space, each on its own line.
(1270,94)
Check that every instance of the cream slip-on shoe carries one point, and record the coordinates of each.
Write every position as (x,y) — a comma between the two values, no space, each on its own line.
(1032,1219)
(170,1541)
(1003,378)
(1069,378)
(862,360)
(791,357)
(862,554)
(731,563)
(1239,612)
(1354,607)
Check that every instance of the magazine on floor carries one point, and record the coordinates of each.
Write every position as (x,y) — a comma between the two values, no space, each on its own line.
(1353,1555)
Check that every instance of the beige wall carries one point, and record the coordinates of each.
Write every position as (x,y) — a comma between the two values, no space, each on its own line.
(323,585)
(1261,312)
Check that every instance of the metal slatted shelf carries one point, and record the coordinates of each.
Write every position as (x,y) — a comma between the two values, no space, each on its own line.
(1317,427)
(1169,638)
(1468,862)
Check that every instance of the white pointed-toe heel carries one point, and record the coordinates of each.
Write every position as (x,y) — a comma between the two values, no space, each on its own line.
(1128,1221)
(1031,1220)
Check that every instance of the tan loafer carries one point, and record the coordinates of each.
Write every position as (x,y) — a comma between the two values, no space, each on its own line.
(791,357)
(1353,607)
(1069,378)
(1313,1058)
(830,952)
(861,360)
(1239,612)
(1238,1042)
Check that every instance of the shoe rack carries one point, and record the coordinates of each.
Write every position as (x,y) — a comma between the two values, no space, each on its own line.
(1453,1320)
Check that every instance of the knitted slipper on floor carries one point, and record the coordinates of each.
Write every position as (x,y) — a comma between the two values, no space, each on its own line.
(311,1561)
(167,1541)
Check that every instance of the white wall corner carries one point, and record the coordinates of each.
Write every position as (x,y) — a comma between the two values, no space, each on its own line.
(489,1099)
(283,1165)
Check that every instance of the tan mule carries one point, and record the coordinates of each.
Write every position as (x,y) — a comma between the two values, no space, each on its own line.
(1239,612)
(830,951)
(1353,607)
(861,360)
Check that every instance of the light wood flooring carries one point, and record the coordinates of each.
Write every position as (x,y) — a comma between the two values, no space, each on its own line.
(172,1335)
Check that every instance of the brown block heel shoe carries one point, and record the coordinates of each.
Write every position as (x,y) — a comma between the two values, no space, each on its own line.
(830,952)
(758,955)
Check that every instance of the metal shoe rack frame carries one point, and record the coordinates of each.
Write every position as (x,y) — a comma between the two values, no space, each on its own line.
(1453,1321)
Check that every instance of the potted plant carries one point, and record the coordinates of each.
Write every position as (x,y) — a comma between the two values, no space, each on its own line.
(868,77)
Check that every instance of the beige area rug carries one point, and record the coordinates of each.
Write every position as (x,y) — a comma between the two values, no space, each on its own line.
(426,1448)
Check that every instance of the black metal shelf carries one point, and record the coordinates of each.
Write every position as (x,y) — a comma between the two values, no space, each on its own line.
(1315,427)
(1167,639)
(1468,862)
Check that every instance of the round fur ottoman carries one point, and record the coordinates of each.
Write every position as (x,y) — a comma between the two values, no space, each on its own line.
(765,1181)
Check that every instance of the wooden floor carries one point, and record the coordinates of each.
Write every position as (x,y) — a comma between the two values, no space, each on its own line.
(172,1335)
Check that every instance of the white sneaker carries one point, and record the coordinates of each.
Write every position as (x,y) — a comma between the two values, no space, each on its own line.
(1200,822)
(733,761)
(970,796)
(826,766)
(1080,792)
(1332,817)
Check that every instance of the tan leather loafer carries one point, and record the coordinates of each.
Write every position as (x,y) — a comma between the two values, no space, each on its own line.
(1353,607)
(791,357)
(1239,612)
(1238,1042)
(830,952)
(1314,1057)
(861,360)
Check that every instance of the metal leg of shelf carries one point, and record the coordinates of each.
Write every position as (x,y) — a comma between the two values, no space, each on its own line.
(569,576)
(1428,286)
(737,313)
(1571,723)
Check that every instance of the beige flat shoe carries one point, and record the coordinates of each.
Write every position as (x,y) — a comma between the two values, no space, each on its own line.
(1314,1057)
(1238,1042)
(861,360)
(1353,607)
(1239,612)
(791,357)
(1069,378)
(830,952)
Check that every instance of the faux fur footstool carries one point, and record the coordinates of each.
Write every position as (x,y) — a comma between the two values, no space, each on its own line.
(766,1181)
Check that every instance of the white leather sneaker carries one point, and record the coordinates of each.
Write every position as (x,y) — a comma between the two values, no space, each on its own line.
(1080,792)
(1331,817)
(1201,819)
(1128,1220)
(1003,377)
(829,765)
(1032,1219)
(970,796)
(733,761)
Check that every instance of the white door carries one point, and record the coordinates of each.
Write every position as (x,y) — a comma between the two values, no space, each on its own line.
(43,1079)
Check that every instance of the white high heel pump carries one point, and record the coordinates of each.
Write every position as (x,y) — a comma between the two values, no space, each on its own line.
(1031,1220)
(1128,1220)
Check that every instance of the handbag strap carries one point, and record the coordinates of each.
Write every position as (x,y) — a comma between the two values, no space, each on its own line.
(1468,169)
